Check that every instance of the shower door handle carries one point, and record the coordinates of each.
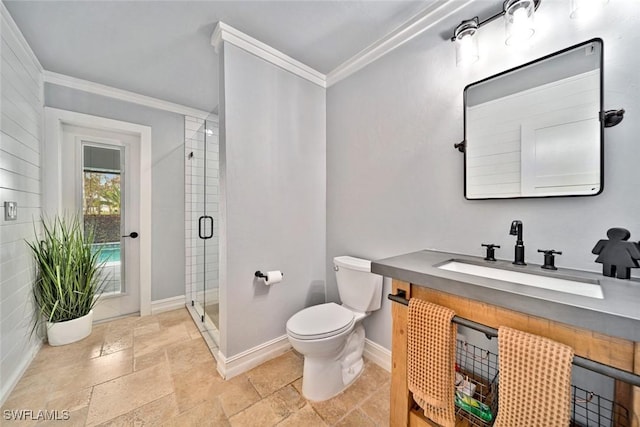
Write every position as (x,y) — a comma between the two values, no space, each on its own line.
(202,227)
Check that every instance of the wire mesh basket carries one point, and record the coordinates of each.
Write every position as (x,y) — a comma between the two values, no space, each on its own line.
(591,410)
(478,369)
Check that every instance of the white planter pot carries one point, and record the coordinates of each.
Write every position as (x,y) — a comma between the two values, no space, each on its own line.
(61,333)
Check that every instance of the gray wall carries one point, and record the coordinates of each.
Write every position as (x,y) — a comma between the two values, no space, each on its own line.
(167,188)
(395,183)
(273,179)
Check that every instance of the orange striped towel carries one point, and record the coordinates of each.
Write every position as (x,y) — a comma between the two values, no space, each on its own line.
(431,360)
(535,381)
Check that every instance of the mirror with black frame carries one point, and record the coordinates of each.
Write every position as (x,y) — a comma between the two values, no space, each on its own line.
(535,130)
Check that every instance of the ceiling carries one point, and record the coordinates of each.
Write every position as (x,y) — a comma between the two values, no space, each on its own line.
(162,48)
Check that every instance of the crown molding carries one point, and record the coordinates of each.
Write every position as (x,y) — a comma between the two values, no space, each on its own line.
(227,33)
(415,26)
(122,95)
(8,22)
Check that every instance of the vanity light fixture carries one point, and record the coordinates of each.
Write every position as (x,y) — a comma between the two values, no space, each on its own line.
(519,28)
(584,9)
(466,42)
(518,19)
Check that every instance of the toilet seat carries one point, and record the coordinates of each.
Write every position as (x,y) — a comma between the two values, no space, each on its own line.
(320,321)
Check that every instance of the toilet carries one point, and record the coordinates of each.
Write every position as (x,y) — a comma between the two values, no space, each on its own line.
(331,336)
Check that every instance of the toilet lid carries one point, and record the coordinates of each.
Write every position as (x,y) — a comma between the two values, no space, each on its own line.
(320,321)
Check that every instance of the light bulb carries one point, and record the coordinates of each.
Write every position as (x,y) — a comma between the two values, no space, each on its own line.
(519,17)
(467,52)
(466,43)
(519,22)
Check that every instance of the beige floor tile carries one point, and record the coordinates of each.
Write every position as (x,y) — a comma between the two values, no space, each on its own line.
(146,329)
(195,334)
(267,412)
(123,325)
(276,373)
(191,327)
(297,384)
(32,396)
(306,417)
(331,410)
(376,407)
(173,317)
(19,416)
(119,396)
(37,379)
(183,355)
(62,400)
(150,359)
(290,398)
(206,414)
(197,384)
(356,418)
(238,394)
(50,357)
(114,343)
(76,418)
(145,320)
(371,378)
(151,414)
(94,371)
(153,341)
(175,382)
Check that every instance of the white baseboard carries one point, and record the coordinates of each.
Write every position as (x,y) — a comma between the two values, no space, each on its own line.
(168,304)
(8,384)
(377,354)
(242,362)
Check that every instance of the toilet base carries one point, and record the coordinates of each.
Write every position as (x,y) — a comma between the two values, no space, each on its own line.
(324,378)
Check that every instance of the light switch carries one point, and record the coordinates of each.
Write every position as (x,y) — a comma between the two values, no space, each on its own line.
(10,211)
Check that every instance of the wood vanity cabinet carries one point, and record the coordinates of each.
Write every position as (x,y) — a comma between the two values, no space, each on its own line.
(613,351)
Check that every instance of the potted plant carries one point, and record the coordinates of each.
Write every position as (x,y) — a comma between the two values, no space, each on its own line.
(68,280)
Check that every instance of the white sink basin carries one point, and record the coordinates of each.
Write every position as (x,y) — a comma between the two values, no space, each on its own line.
(586,289)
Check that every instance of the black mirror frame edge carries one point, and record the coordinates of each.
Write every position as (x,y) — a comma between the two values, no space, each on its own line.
(608,118)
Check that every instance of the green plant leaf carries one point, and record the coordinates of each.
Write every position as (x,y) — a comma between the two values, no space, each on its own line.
(68,279)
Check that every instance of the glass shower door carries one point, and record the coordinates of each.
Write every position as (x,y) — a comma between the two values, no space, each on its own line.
(201,197)
(210,221)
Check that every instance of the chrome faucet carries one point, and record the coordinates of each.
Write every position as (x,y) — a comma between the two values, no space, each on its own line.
(516,230)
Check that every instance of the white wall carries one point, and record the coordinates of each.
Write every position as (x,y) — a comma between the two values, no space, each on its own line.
(167,189)
(395,182)
(273,178)
(21,135)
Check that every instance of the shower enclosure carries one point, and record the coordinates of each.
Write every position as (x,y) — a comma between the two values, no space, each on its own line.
(202,225)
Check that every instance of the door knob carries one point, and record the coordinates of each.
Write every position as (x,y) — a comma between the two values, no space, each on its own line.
(133,235)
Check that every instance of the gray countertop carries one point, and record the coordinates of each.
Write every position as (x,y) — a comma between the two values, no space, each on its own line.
(618,314)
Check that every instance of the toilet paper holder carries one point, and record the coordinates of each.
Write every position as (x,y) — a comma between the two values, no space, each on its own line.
(261,275)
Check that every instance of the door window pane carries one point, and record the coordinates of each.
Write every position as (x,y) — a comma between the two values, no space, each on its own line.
(102,208)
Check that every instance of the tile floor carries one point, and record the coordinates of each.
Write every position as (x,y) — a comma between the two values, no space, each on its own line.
(157,370)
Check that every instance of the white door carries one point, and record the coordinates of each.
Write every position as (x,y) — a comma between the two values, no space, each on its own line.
(100,181)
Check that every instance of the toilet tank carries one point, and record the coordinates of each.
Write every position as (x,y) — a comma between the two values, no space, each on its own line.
(359,288)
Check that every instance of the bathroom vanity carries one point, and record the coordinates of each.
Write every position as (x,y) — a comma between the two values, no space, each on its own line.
(599,317)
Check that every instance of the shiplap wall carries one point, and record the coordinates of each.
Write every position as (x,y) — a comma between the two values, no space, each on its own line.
(21,133)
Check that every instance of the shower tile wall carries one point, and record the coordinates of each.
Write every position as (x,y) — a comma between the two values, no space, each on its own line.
(196,264)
